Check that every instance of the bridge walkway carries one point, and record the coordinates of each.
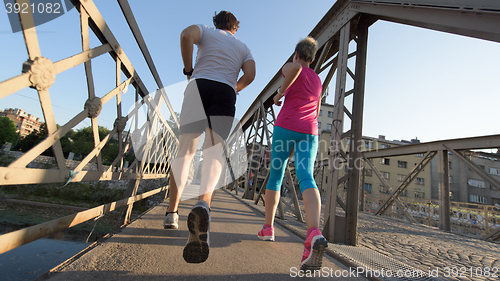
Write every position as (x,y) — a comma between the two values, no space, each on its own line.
(144,249)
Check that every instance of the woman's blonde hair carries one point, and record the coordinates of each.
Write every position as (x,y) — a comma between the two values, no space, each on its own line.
(307,48)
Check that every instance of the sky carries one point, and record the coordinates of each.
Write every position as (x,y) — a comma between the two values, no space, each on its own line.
(419,83)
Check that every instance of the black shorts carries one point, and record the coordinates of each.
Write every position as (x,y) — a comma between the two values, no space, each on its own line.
(208,103)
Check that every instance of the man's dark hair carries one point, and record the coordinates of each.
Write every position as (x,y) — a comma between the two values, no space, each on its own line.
(225,21)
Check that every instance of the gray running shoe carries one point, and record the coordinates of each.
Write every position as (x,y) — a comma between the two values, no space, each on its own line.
(197,246)
(171,221)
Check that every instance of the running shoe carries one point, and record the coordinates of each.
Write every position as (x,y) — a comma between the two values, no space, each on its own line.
(266,233)
(171,221)
(198,222)
(313,258)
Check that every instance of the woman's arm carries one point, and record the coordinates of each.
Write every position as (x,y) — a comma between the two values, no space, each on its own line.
(291,71)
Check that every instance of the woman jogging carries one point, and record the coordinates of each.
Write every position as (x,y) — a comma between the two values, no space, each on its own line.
(297,128)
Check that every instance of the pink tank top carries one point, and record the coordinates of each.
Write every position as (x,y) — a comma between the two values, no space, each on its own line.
(300,108)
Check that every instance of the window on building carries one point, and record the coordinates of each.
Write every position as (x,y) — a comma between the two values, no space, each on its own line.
(402,164)
(495,171)
(476,183)
(477,199)
(319,125)
(449,165)
(384,189)
(482,167)
(368,172)
(419,155)
(404,193)
(419,194)
(384,145)
(368,144)
(330,114)
(329,127)
(419,181)
(384,161)
(368,187)
(385,175)
(320,112)
(401,177)
(495,201)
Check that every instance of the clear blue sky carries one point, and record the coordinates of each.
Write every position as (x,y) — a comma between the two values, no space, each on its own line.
(420,83)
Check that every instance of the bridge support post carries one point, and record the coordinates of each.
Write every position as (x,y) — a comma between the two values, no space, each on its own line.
(444,191)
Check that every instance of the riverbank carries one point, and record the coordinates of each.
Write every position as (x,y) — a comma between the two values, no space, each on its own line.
(18,215)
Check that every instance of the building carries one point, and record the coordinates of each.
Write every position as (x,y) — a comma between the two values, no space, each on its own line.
(25,123)
(325,117)
(465,184)
(393,169)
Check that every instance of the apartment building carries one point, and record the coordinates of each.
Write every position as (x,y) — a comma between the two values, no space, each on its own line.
(25,123)
(393,169)
(465,184)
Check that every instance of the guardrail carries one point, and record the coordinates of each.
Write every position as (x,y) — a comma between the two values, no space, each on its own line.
(153,142)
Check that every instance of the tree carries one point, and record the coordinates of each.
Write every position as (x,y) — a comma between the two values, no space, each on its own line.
(34,138)
(173,125)
(8,130)
(83,144)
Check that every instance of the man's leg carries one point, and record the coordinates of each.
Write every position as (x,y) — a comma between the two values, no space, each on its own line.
(180,168)
(197,247)
(212,164)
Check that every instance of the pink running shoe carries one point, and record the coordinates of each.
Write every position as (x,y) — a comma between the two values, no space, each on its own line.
(313,258)
(266,234)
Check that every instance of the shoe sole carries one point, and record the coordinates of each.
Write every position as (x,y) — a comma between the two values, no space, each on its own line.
(170,226)
(266,238)
(197,250)
(315,259)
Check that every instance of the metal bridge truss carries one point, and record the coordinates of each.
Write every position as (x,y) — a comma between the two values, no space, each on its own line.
(345,25)
(346,22)
(154,142)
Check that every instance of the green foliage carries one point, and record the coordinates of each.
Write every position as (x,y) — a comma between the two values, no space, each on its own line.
(80,193)
(8,130)
(29,141)
(173,125)
(83,144)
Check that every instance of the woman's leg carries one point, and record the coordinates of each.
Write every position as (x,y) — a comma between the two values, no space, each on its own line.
(305,155)
(281,147)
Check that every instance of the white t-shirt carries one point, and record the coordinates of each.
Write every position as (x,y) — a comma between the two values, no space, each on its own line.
(220,56)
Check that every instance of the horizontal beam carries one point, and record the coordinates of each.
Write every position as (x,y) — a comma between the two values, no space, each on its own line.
(483,142)
(448,16)
(12,176)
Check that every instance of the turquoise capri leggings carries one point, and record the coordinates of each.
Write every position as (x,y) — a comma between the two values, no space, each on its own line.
(304,146)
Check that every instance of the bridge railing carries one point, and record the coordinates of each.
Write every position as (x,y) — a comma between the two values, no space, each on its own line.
(152,141)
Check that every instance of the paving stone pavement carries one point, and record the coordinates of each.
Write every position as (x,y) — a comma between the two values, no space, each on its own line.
(449,256)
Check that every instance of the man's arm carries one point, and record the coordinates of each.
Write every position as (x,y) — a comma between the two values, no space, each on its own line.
(248,75)
(189,36)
